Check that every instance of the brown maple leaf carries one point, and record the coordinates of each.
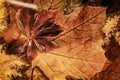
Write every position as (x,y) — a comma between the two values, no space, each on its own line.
(80,53)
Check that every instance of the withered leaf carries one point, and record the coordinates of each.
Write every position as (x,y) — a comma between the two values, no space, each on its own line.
(80,53)
(112,50)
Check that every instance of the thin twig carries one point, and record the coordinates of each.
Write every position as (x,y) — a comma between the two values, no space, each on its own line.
(28,5)
(43,74)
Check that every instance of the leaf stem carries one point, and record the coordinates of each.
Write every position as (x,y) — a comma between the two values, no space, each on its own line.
(43,74)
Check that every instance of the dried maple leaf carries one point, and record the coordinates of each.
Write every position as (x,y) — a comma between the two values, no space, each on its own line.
(79,53)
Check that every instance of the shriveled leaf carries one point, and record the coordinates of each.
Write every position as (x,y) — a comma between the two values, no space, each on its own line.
(112,50)
(80,53)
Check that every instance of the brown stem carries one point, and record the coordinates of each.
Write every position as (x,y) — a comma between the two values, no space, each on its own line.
(43,74)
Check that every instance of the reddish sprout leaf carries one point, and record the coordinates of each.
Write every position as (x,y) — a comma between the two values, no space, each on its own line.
(36,29)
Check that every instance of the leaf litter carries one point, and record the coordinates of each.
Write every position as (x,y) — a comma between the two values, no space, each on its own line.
(80,53)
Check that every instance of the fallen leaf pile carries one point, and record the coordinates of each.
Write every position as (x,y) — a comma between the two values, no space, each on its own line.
(76,38)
